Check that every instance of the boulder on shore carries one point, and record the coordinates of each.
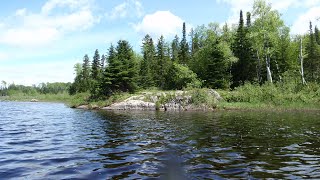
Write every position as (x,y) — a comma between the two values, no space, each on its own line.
(131,104)
(34,100)
(83,107)
(164,101)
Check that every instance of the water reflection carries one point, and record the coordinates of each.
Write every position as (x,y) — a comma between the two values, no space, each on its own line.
(51,141)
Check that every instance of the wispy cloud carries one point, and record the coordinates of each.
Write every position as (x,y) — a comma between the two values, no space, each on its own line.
(127,9)
(43,28)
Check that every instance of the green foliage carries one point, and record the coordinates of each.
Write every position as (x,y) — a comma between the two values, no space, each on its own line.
(312,61)
(232,56)
(85,75)
(212,63)
(184,47)
(245,68)
(180,76)
(175,48)
(147,64)
(290,91)
(121,72)
(201,97)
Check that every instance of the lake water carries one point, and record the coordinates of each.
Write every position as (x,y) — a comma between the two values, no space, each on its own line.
(52,141)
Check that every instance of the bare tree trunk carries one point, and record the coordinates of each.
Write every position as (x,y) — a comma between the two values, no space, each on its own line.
(301,64)
(269,76)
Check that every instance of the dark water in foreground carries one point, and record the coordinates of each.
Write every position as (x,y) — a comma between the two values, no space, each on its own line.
(51,141)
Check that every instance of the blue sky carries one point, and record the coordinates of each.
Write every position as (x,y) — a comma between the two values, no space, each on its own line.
(41,40)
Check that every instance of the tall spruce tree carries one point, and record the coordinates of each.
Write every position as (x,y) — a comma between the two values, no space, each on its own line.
(86,80)
(184,47)
(103,62)
(243,70)
(96,75)
(248,23)
(311,58)
(111,83)
(96,66)
(317,35)
(129,75)
(163,61)
(147,64)
(175,48)
(312,61)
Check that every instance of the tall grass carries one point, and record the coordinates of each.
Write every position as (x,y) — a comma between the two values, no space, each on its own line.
(288,93)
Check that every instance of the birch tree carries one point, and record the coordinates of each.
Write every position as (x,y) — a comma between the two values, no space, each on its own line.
(265,34)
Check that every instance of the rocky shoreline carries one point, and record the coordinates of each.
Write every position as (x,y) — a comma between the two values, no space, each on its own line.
(162,101)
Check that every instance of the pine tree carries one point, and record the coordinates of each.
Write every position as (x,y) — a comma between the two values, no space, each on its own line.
(248,23)
(162,66)
(103,61)
(86,80)
(96,75)
(184,47)
(243,70)
(175,48)
(96,66)
(312,57)
(128,76)
(317,35)
(195,44)
(147,64)
(110,83)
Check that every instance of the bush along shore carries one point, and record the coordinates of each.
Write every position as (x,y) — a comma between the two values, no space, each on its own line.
(267,97)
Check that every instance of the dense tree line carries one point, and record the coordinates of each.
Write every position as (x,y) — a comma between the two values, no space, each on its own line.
(256,51)
(43,88)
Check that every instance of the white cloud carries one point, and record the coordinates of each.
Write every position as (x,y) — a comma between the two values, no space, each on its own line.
(301,25)
(3,56)
(160,23)
(21,12)
(129,8)
(38,29)
(51,5)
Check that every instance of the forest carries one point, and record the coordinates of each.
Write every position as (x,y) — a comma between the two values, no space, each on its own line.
(259,50)
(255,60)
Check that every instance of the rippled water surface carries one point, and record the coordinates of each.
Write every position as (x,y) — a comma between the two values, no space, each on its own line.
(52,141)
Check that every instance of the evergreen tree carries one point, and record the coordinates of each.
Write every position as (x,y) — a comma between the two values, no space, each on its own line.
(243,70)
(175,48)
(103,61)
(317,35)
(147,64)
(110,83)
(96,66)
(163,61)
(95,75)
(128,75)
(184,47)
(76,85)
(195,42)
(85,80)
(248,23)
(313,58)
